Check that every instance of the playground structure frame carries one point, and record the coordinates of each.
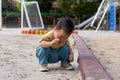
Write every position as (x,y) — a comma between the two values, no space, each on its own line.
(24,10)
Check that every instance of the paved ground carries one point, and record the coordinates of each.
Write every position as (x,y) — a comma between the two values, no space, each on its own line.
(18,61)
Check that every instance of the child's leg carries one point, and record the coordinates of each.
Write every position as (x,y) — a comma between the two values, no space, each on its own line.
(42,55)
(64,55)
(65,58)
(47,55)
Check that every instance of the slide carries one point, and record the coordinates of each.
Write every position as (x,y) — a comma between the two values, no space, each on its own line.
(89,20)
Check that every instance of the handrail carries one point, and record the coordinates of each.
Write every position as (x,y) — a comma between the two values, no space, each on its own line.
(102,17)
(97,12)
(89,20)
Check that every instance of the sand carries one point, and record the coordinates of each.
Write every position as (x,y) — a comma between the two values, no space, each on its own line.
(105,45)
(18,60)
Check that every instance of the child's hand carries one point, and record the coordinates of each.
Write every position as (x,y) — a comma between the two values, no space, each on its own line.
(55,41)
(71,56)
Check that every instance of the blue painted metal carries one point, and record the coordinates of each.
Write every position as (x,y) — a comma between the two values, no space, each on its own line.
(112,17)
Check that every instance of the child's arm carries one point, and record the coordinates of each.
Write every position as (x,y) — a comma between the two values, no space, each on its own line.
(47,44)
(71,56)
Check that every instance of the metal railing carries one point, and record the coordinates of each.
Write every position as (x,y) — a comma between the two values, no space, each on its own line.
(104,7)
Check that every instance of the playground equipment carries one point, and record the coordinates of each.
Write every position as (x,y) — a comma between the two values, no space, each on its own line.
(105,7)
(0,14)
(112,17)
(28,11)
(111,6)
(87,21)
(30,18)
(41,32)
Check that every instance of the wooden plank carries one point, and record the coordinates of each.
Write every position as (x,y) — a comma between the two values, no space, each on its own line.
(90,67)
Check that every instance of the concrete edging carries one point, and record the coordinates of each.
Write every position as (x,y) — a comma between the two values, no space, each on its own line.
(90,67)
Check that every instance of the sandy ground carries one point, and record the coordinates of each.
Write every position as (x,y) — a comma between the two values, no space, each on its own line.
(18,60)
(105,46)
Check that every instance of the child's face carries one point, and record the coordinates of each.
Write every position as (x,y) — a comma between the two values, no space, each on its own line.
(61,35)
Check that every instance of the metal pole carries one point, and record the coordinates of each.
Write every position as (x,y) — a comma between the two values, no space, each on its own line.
(27,17)
(112,17)
(102,17)
(97,12)
(0,14)
(107,26)
(22,14)
(119,21)
(40,15)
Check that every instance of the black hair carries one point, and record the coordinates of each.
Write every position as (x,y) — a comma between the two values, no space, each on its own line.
(66,24)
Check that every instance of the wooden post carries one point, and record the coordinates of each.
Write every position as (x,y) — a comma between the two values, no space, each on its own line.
(54,21)
(19,22)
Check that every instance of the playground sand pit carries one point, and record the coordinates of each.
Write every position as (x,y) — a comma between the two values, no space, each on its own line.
(105,46)
(18,60)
